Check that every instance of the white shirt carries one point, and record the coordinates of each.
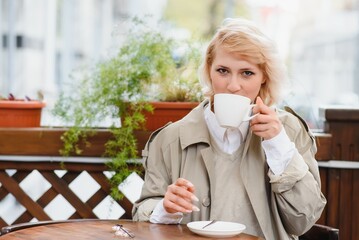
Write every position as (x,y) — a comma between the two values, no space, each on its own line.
(279,151)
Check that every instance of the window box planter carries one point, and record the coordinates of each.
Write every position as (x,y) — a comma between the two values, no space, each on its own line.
(19,113)
(165,112)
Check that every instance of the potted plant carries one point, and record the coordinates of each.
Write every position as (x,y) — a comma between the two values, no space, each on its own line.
(129,86)
(178,93)
(15,112)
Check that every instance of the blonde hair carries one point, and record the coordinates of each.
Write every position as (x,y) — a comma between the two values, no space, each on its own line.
(240,35)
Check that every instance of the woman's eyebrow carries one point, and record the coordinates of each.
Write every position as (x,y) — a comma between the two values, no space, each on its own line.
(220,65)
(247,69)
(240,68)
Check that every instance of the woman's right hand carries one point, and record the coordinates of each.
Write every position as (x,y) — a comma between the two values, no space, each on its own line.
(179,197)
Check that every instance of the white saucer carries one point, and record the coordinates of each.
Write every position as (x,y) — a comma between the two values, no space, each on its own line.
(218,229)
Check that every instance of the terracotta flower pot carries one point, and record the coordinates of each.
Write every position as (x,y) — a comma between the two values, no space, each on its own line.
(165,112)
(18,113)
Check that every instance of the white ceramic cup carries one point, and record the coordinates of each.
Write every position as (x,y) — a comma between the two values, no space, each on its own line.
(231,109)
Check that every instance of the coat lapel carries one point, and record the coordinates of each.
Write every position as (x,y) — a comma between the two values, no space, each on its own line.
(253,172)
(207,155)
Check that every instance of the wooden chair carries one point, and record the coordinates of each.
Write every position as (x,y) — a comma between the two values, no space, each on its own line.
(321,232)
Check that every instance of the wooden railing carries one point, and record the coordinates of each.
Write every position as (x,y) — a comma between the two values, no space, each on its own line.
(37,149)
(339,170)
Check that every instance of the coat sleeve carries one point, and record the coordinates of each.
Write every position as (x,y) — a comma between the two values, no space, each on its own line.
(297,191)
(156,180)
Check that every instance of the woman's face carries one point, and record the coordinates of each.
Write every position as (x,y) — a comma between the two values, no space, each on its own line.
(231,73)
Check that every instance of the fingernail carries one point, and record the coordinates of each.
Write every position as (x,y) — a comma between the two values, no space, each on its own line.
(189,184)
(196,209)
(194,198)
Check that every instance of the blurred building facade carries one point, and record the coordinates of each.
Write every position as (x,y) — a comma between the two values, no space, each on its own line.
(325,52)
(320,43)
(44,41)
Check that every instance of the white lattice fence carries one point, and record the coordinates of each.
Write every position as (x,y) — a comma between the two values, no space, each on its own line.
(55,188)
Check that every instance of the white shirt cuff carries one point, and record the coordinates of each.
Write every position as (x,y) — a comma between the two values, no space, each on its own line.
(279,151)
(160,215)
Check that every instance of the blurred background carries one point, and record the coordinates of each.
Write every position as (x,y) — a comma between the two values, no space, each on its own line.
(44,42)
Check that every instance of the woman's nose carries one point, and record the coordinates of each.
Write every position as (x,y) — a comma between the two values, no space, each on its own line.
(234,84)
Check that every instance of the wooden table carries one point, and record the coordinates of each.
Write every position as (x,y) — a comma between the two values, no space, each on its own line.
(102,229)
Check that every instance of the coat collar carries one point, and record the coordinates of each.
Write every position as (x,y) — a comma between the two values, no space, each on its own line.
(193,128)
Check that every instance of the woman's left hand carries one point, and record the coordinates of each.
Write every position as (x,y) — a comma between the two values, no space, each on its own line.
(266,124)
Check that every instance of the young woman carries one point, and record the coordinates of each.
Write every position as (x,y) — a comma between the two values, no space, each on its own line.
(262,174)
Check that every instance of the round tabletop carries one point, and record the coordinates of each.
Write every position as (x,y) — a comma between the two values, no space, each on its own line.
(102,229)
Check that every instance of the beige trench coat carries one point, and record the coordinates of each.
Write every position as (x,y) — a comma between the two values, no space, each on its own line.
(286,206)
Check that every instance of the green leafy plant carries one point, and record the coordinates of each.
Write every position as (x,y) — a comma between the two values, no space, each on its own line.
(121,87)
(183,85)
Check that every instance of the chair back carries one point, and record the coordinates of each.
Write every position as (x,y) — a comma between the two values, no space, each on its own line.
(321,232)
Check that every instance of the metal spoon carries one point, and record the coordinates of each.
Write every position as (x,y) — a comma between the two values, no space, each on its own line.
(213,221)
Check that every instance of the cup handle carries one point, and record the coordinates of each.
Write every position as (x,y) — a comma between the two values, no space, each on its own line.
(249,112)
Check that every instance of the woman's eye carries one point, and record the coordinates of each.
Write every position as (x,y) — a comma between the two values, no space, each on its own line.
(248,73)
(222,70)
